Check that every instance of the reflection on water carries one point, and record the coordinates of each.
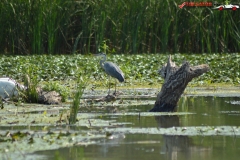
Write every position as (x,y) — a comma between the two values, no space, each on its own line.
(173,146)
(209,111)
(167,121)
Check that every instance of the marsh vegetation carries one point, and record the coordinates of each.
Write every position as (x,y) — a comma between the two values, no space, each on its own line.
(53,42)
(140,69)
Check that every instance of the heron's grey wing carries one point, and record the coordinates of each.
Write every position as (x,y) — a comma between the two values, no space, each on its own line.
(113,70)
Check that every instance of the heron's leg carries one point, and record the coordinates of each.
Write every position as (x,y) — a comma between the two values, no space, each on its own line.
(108,85)
(115,87)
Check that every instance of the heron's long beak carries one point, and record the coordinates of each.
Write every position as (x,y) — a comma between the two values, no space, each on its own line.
(96,55)
(99,54)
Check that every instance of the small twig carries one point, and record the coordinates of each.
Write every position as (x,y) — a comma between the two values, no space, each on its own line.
(234,132)
(234,137)
(89,122)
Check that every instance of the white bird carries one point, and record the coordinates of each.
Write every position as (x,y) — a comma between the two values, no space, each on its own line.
(9,88)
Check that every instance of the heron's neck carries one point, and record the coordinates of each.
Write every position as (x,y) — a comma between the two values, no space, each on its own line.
(102,61)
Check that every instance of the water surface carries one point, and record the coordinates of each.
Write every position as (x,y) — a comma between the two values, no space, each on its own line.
(207,111)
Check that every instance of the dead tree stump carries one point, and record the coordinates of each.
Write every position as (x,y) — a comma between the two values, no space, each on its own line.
(175,81)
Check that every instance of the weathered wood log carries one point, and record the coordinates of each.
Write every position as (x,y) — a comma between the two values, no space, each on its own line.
(43,97)
(176,80)
(50,97)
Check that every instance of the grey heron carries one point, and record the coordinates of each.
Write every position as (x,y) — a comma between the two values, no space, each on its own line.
(111,69)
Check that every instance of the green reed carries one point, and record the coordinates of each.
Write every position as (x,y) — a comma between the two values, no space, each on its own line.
(81,84)
(136,26)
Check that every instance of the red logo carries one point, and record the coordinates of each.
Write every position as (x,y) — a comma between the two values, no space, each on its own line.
(196,4)
(220,8)
(182,5)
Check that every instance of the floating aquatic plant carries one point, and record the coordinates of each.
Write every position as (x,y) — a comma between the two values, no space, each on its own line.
(138,69)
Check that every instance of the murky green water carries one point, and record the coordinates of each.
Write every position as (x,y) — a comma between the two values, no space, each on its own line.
(205,111)
(209,111)
(153,147)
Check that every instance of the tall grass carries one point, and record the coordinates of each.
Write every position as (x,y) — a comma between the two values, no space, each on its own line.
(30,94)
(76,101)
(128,26)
